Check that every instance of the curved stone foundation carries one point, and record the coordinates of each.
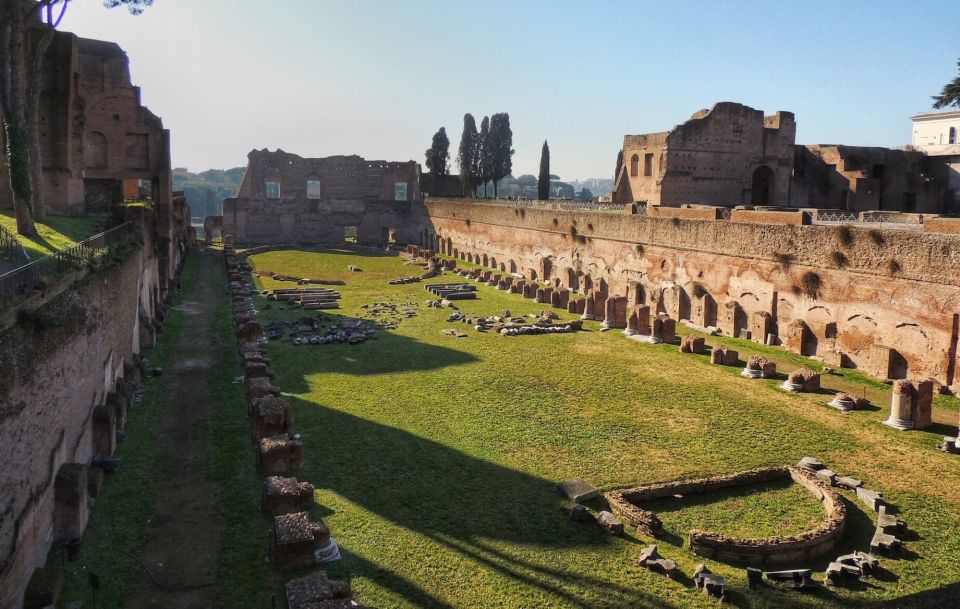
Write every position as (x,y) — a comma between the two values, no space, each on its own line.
(770,550)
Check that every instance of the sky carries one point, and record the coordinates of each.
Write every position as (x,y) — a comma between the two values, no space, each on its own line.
(378,77)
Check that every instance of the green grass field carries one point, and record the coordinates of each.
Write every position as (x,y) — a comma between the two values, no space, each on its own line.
(436,458)
(55,232)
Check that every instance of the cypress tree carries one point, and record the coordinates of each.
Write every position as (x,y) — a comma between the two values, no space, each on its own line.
(543,181)
(438,156)
(467,155)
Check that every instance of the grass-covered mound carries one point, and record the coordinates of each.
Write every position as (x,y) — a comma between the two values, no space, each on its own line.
(55,232)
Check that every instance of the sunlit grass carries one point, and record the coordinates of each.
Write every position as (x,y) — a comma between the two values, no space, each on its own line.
(436,458)
(55,232)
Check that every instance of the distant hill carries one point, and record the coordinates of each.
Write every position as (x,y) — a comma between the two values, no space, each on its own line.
(205,191)
(598,186)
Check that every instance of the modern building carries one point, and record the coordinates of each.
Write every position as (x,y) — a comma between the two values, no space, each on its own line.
(937,134)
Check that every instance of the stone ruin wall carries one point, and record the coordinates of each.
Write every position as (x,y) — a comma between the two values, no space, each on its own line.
(69,372)
(807,545)
(890,308)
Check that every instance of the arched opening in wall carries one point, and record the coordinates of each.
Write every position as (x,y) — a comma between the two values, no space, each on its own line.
(761,188)
(660,164)
(639,294)
(809,343)
(603,288)
(493,263)
(350,234)
(573,282)
(709,311)
(683,304)
(740,321)
(486,260)
(587,283)
(438,243)
(456,253)
(634,165)
(503,268)
(546,267)
(95,150)
(557,283)
(532,273)
(899,367)
(449,251)
(513,267)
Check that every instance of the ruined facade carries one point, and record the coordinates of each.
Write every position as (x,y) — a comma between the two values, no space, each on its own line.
(69,349)
(733,155)
(285,198)
(886,301)
(94,132)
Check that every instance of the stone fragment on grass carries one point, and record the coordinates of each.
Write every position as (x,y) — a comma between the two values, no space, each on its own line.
(578,490)
(610,523)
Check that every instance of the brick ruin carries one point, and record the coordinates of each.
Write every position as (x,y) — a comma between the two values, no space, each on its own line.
(285,198)
(95,134)
(891,308)
(70,351)
(733,155)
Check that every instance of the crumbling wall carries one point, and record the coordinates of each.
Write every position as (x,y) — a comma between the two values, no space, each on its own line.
(854,287)
(66,359)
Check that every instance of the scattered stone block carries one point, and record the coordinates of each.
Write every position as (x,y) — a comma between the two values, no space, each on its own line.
(797,579)
(692,344)
(709,583)
(827,475)
(884,543)
(872,499)
(889,523)
(286,495)
(810,464)
(650,558)
(578,490)
(754,577)
(849,483)
(610,523)
(579,513)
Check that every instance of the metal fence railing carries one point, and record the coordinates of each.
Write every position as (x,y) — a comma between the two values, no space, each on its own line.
(11,252)
(882,219)
(39,273)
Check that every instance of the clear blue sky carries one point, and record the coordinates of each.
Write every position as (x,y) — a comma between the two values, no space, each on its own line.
(377,78)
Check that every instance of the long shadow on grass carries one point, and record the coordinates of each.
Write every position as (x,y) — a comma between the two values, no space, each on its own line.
(456,500)
(389,353)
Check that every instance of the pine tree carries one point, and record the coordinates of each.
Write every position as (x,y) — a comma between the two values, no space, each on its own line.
(949,95)
(467,155)
(438,157)
(543,181)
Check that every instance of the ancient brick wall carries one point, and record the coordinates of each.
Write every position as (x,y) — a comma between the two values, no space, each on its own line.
(66,358)
(849,288)
(320,200)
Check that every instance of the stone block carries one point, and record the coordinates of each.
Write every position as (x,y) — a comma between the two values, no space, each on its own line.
(709,583)
(692,344)
(810,464)
(286,495)
(870,498)
(280,454)
(826,475)
(650,559)
(578,490)
(849,483)
(923,404)
(295,538)
(610,523)
(730,357)
(272,416)
(884,543)
(317,591)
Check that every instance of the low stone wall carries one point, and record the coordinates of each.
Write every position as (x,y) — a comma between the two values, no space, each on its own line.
(687,213)
(760,216)
(770,550)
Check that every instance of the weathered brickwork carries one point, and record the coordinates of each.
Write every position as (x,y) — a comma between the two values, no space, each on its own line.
(285,198)
(733,155)
(835,292)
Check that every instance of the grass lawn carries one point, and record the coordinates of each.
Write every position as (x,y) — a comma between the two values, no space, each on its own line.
(55,232)
(436,458)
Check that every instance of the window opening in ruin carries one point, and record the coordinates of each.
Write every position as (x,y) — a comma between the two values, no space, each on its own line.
(953,135)
(843,199)
(648,164)
(272,189)
(350,234)
(634,165)
(313,189)
(909,201)
(761,192)
(878,172)
(830,330)
(400,191)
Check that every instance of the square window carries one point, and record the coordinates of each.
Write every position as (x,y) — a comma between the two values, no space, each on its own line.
(313,189)
(400,191)
(272,190)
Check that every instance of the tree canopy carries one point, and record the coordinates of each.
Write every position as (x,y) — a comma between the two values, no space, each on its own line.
(438,155)
(467,154)
(501,148)
(949,95)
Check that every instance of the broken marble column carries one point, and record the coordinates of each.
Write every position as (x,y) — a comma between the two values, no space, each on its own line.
(923,404)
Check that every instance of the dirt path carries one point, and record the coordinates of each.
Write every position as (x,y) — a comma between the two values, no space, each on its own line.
(184,533)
